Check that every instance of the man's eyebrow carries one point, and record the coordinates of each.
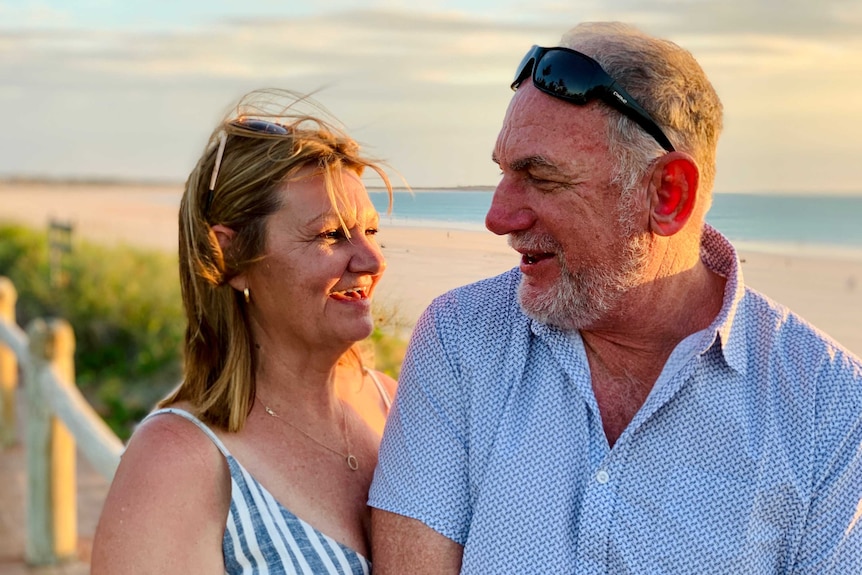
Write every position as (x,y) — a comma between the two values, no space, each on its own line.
(524,164)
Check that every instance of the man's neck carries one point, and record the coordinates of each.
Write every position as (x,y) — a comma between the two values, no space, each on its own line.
(628,353)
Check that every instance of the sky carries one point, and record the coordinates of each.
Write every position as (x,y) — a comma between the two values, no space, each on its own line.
(112,89)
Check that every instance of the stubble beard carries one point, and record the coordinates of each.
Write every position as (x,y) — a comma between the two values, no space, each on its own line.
(579,300)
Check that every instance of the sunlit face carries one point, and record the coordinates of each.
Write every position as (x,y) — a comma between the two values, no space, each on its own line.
(314,285)
(578,300)
(557,204)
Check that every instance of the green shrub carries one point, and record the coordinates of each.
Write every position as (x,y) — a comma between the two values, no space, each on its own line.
(388,341)
(125,307)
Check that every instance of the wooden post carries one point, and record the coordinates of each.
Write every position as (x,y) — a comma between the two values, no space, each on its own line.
(51,507)
(59,243)
(8,367)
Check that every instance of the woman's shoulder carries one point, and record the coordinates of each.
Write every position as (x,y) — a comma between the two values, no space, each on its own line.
(390,384)
(171,454)
(171,492)
(173,432)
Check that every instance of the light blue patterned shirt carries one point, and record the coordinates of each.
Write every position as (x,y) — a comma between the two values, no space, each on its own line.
(745,458)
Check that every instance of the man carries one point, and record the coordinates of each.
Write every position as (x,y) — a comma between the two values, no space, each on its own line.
(621,403)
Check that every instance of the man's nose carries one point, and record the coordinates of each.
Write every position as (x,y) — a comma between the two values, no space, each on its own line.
(509,211)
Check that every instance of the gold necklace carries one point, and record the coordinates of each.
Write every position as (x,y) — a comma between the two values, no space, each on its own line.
(351,460)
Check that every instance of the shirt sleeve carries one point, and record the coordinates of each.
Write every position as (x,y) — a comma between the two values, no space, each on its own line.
(831,542)
(422,471)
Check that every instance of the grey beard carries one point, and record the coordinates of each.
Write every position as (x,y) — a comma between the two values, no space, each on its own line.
(578,301)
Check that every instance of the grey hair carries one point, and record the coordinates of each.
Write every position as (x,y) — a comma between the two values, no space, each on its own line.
(666,81)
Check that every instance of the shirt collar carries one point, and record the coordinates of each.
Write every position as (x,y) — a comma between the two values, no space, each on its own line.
(719,255)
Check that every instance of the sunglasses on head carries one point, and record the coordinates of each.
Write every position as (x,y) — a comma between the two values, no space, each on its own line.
(574,77)
(251,125)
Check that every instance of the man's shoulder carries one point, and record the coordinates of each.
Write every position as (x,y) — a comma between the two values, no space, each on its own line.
(482,315)
(494,293)
(775,327)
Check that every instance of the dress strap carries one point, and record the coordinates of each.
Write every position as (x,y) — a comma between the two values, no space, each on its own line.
(201,425)
(387,401)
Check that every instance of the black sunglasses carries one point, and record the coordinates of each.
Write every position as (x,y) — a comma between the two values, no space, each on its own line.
(250,124)
(260,126)
(574,77)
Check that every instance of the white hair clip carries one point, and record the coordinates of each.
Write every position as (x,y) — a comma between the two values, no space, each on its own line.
(222,140)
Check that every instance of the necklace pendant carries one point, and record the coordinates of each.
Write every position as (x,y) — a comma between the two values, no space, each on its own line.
(352,463)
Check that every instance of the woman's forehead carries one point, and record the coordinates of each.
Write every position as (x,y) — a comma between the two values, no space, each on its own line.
(309,199)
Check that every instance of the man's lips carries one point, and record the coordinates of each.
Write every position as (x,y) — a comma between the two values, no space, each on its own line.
(533,258)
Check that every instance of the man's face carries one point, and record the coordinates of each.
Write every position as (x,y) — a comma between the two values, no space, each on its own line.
(582,247)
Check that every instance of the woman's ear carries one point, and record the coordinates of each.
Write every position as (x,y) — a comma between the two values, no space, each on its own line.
(224,235)
(672,193)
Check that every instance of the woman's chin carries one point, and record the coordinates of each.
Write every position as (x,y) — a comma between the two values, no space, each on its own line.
(358,329)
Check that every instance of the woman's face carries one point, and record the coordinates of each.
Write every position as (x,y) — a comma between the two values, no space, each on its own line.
(313,286)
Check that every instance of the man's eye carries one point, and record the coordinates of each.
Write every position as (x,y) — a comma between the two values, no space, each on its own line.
(536,178)
(544,183)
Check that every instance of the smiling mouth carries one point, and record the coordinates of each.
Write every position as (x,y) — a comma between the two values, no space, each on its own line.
(355,294)
(534,258)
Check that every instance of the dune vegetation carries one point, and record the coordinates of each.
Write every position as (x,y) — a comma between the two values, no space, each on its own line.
(125,307)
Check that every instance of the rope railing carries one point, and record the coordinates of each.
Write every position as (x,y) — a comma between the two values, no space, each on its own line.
(58,417)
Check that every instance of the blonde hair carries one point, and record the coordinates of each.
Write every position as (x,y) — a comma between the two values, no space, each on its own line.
(219,352)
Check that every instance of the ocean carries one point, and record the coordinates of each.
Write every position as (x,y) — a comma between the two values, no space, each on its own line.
(823,225)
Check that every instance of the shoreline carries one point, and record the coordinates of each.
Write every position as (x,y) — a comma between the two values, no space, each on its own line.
(822,286)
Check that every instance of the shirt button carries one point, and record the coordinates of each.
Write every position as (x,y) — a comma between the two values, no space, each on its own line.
(602,476)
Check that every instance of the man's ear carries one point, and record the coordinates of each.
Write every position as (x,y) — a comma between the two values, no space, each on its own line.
(672,193)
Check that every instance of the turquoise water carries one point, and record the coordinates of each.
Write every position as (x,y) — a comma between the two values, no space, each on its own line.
(773,222)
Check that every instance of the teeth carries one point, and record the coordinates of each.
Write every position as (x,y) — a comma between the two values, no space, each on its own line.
(529,259)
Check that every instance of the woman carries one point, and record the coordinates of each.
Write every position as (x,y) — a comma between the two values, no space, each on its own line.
(257,461)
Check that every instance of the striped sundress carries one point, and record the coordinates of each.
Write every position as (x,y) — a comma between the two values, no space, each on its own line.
(262,536)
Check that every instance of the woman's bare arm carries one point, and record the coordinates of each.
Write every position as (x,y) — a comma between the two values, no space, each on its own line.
(167,506)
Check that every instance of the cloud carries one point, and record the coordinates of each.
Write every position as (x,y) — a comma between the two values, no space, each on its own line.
(378,42)
(427,89)
(833,20)
(33,15)
(142,103)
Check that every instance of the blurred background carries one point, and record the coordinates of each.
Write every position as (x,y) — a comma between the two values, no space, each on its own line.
(110,89)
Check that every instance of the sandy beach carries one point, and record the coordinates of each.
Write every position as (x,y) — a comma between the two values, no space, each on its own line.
(425,262)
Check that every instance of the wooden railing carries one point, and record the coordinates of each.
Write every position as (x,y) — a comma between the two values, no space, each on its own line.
(57,418)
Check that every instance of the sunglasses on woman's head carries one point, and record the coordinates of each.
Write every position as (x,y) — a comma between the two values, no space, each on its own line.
(574,77)
(250,124)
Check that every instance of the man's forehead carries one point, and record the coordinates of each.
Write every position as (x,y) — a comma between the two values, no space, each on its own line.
(540,129)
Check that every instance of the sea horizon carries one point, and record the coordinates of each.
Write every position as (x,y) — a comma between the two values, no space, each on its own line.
(824,225)
(817,225)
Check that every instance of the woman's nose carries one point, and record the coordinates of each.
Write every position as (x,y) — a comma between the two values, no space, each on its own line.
(368,258)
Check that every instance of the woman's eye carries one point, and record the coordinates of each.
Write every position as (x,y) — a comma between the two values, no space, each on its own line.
(333,234)
(371,231)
